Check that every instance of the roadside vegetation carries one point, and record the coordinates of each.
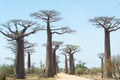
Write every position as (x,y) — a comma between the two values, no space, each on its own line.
(7,73)
(96,73)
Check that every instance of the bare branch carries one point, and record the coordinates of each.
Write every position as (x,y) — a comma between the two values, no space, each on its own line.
(65,54)
(7,25)
(5,34)
(114,29)
(108,23)
(15,22)
(58,32)
(62,30)
(101,55)
(57,43)
(98,22)
(47,15)
(70,49)
(34,30)
(26,24)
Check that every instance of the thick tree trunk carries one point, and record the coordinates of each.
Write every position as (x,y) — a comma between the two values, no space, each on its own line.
(54,61)
(107,56)
(57,67)
(49,68)
(72,70)
(102,67)
(20,71)
(66,64)
(29,61)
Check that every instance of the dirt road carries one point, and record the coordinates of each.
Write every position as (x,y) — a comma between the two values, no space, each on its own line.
(62,76)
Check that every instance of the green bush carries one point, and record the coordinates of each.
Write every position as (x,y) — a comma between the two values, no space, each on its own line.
(81,66)
(79,71)
(7,70)
(2,75)
(95,70)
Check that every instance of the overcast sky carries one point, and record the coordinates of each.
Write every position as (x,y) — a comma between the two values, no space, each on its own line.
(75,14)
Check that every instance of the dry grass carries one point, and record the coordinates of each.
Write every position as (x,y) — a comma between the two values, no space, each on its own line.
(95,77)
(32,77)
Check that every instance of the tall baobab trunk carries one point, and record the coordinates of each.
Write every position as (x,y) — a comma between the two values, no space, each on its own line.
(20,71)
(49,68)
(72,70)
(102,67)
(107,56)
(66,64)
(29,61)
(57,67)
(54,61)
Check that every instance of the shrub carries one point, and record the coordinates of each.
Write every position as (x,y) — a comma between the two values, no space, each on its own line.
(79,71)
(95,70)
(2,75)
(7,70)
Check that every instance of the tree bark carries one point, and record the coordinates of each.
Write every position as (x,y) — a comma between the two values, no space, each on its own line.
(72,70)
(66,64)
(29,61)
(57,67)
(49,68)
(54,61)
(20,71)
(107,56)
(102,67)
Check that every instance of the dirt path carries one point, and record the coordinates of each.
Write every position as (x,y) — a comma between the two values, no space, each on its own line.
(62,76)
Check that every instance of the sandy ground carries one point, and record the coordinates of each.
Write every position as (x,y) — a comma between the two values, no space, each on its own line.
(62,76)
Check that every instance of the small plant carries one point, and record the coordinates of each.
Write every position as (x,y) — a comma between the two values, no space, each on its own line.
(79,71)
(8,69)
(2,75)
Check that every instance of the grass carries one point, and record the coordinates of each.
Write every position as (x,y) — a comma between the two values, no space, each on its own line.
(94,77)
(32,77)
(36,77)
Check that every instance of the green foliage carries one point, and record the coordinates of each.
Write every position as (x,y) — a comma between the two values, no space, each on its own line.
(81,66)
(95,70)
(61,70)
(2,75)
(71,48)
(35,70)
(7,70)
(80,69)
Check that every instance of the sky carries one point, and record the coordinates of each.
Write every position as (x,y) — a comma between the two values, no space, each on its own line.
(75,14)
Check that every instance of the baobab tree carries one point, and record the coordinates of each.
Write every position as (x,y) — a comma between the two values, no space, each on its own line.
(50,16)
(28,48)
(66,62)
(57,62)
(56,45)
(17,30)
(109,24)
(70,50)
(101,56)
